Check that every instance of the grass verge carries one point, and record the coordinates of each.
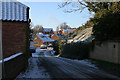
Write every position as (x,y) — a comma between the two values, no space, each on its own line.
(107,66)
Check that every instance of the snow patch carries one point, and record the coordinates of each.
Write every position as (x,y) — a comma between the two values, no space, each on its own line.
(53,52)
(34,70)
(85,62)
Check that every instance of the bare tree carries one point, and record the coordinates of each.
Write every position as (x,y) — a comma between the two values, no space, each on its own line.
(37,29)
(57,29)
(76,6)
(92,6)
(64,26)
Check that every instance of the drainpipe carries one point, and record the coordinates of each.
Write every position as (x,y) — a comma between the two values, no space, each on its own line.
(3,70)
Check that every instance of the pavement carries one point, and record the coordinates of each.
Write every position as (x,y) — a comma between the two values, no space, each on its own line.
(66,69)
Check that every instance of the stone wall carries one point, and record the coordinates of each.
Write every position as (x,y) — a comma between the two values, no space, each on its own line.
(108,51)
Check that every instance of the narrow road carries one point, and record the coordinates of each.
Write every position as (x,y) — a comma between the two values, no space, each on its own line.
(59,67)
(43,65)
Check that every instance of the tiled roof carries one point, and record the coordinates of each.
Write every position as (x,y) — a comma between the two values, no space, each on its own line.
(56,35)
(44,38)
(47,29)
(13,10)
(67,30)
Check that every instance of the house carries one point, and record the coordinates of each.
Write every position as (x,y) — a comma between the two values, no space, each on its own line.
(15,22)
(41,39)
(65,31)
(48,31)
(55,37)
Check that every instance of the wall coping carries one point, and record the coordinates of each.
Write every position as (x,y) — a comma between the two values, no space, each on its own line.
(11,57)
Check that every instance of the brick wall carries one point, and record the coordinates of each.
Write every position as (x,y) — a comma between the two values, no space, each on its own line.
(0,71)
(40,42)
(14,66)
(13,37)
(54,37)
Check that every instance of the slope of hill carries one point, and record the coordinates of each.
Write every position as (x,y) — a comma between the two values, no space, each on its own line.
(83,35)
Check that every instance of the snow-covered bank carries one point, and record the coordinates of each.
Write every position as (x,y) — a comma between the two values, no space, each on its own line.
(33,70)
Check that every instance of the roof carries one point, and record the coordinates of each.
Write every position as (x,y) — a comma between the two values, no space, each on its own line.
(55,34)
(67,30)
(41,34)
(48,29)
(13,10)
(44,38)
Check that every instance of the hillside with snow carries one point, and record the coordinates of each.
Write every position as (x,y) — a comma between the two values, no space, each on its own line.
(83,35)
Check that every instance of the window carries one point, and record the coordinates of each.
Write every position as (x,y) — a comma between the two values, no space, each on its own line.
(43,36)
(35,38)
(36,43)
(114,46)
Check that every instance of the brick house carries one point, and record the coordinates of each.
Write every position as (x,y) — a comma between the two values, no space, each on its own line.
(55,37)
(65,31)
(15,22)
(41,39)
(15,18)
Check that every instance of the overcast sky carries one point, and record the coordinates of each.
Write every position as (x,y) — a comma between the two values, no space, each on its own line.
(49,15)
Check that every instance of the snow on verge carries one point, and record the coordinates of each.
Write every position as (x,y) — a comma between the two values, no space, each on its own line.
(33,70)
(85,62)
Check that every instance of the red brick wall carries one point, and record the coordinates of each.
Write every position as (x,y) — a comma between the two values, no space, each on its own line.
(54,37)
(14,66)
(13,37)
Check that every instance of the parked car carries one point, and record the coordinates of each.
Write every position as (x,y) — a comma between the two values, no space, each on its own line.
(31,39)
(50,45)
(43,46)
(32,49)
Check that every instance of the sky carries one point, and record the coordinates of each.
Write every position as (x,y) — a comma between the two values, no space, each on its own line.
(49,15)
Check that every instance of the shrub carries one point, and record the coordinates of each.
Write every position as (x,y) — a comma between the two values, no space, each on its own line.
(107,27)
(58,46)
(74,35)
(77,50)
(107,66)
